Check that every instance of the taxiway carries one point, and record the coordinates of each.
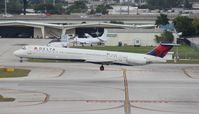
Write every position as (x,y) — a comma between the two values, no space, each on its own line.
(80,88)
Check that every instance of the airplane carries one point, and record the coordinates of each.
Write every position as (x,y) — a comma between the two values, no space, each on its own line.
(63,42)
(91,40)
(95,56)
(66,39)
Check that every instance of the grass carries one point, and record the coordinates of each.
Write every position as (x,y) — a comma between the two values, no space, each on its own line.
(185,52)
(16,73)
(184,62)
(4,99)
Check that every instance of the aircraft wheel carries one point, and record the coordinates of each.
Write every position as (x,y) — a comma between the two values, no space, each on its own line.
(102,68)
(21,60)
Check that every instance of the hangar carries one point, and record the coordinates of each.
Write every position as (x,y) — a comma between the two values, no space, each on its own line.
(116,33)
(44,30)
(12,32)
(18,29)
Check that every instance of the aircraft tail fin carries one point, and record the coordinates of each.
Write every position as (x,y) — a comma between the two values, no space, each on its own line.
(104,35)
(161,50)
(88,35)
(64,38)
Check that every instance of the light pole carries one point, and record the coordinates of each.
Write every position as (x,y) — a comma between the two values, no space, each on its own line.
(53,2)
(45,10)
(24,6)
(128,6)
(5,7)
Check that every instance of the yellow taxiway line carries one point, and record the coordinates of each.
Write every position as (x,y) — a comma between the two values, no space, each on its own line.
(127,106)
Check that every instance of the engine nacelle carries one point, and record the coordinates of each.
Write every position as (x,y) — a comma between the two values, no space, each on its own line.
(153,59)
(136,61)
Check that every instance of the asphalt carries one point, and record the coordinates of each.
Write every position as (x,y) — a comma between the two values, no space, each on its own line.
(80,88)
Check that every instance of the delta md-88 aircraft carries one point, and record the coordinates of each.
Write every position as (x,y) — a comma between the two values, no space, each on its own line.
(95,56)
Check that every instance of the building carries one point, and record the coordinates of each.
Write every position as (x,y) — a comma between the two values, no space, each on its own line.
(127,1)
(138,2)
(138,37)
(195,5)
(71,1)
(116,32)
(123,10)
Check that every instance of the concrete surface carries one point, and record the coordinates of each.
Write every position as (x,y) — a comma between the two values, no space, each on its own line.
(80,88)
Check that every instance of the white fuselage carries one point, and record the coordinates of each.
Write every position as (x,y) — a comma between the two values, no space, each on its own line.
(45,52)
(87,40)
(91,40)
(58,44)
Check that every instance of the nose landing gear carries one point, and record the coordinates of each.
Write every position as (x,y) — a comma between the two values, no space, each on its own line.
(102,68)
(21,60)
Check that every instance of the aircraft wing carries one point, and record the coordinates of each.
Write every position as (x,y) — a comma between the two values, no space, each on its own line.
(101,40)
(131,26)
(109,25)
(145,26)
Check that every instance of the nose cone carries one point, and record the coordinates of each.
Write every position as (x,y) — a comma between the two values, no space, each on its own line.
(19,53)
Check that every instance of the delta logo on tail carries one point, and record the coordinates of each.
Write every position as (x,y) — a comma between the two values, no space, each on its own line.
(162,49)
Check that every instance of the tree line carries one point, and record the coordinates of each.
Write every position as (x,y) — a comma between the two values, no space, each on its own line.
(187,26)
(168,4)
(47,6)
(62,6)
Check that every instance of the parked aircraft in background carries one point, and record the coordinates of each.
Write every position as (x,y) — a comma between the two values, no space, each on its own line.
(62,42)
(91,40)
(66,39)
(94,56)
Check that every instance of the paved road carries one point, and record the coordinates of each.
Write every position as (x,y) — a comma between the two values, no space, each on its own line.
(80,88)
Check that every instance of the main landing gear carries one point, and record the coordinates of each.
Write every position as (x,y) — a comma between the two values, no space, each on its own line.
(102,68)
(21,60)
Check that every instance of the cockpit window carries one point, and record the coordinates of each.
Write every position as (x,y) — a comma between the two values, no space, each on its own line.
(24,48)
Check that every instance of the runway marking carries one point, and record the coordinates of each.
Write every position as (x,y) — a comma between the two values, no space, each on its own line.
(127,104)
(158,110)
(103,109)
(131,101)
(74,68)
(152,70)
(40,67)
(46,98)
(186,72)
(62,72)
(5,51)
(41,101)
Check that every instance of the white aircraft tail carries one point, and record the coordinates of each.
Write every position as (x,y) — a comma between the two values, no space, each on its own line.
(104,35)
(88,35)
(162,49)
(64,38)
